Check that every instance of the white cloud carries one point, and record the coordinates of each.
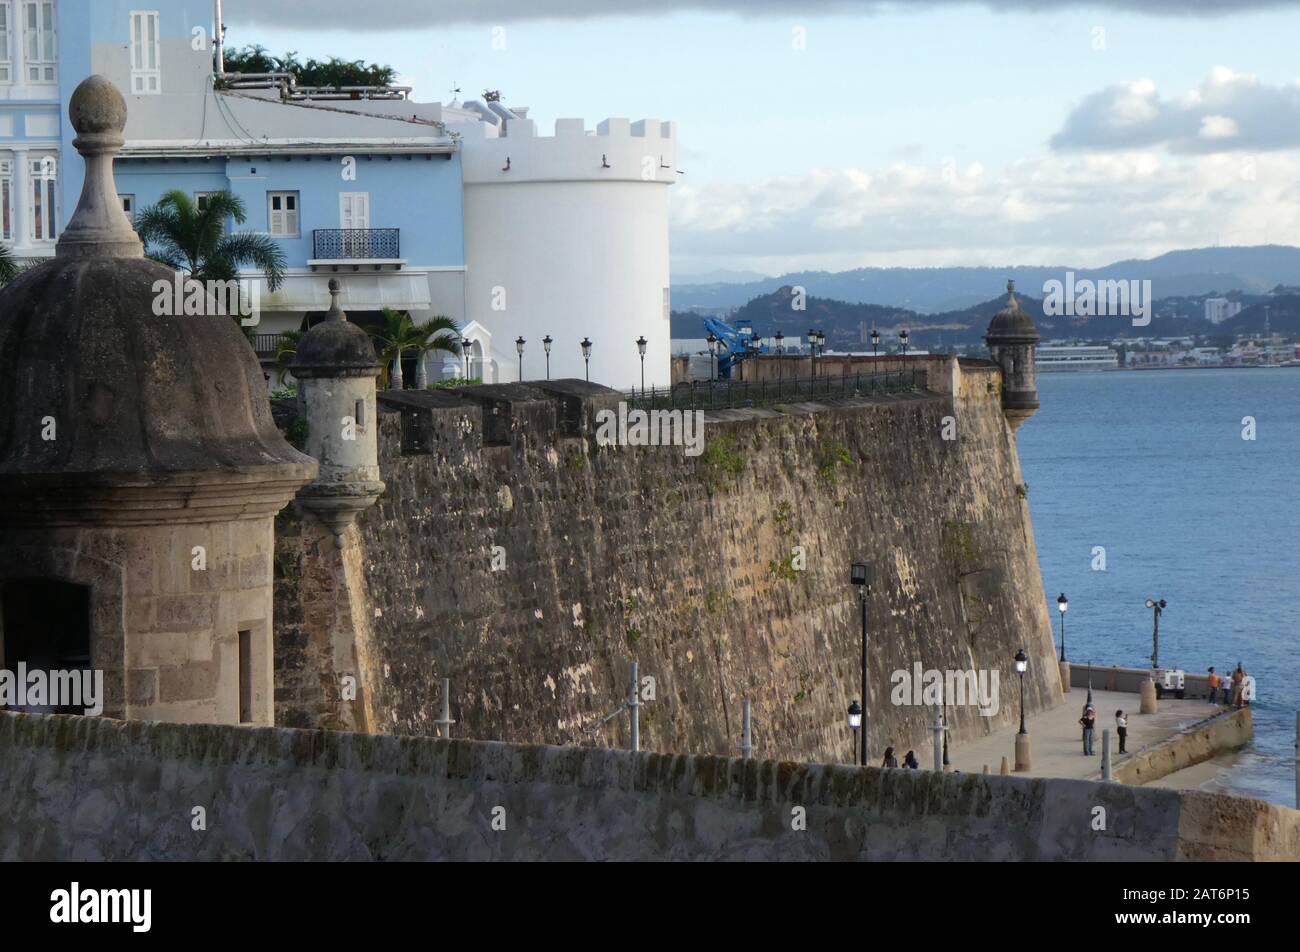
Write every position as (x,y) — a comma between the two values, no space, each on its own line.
(305,15)
(1228,111)
(1080,209)
(1218,127)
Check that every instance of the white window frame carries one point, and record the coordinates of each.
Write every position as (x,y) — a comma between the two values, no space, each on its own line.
(290,218)
(128,205)
(146,52)
(199,198)
(44,210)
(7,199)
(40,41)
(6,42)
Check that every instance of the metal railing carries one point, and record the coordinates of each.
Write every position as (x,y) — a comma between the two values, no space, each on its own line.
(335,244)
(266,344)
(725,394)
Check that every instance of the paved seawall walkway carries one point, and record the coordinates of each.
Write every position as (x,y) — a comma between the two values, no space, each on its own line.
(1057,738)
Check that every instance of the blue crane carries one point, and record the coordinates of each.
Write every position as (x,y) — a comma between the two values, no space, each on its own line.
(734,344)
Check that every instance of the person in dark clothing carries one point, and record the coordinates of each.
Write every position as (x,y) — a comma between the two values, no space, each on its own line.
(910,761)
(1121,728)
(1089,722)
(890,760)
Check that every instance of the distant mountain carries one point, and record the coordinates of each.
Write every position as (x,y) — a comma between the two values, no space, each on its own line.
(707,278)
(1187,273)
(848,324)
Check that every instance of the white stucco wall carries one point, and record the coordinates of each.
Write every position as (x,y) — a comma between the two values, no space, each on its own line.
(575,249)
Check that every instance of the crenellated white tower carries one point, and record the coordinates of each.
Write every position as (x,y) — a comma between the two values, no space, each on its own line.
(567,236)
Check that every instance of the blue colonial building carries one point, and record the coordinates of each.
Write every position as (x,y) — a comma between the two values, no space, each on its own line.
(463,210)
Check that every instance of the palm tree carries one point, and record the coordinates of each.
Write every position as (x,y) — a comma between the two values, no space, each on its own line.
(440,333)
(394,337)
(286,348)
(186,238)
(8,265)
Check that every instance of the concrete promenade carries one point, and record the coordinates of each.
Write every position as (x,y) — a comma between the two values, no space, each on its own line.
(1057,737)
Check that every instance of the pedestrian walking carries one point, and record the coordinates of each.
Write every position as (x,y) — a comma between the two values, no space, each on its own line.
(910,761)
(1214,682)
(890,760)
(1089,722)
(1121,728)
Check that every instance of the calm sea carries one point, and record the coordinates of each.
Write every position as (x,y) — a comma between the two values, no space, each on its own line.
(1152,466)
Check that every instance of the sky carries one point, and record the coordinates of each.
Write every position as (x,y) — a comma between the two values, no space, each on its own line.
(837,134)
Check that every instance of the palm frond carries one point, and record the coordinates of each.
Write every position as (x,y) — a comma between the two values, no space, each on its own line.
(260,251)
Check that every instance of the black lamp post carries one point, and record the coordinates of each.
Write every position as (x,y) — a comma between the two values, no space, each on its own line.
(875,342)
(640,347)
(713,356)
(1062,605)
(812,350)
(903,339)
(465,343)
(1022,662)
(519,348)
(858,576)
(586,358)
(546,346)
(855,723)
(1156,608)
(780,352)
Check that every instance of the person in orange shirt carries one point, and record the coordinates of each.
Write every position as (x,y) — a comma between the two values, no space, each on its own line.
(1215,681)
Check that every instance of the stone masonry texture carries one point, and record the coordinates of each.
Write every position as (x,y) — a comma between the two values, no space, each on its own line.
(99,789)
(686,565)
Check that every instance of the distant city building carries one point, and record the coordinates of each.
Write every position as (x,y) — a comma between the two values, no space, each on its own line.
(1218,310)
(1059,357)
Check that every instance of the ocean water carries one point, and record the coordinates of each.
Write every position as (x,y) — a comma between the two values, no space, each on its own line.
(1152,466)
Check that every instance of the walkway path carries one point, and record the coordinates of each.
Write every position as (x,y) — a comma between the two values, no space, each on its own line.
(1058,740)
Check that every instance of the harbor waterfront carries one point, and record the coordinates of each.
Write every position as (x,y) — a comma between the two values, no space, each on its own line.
(1146,486)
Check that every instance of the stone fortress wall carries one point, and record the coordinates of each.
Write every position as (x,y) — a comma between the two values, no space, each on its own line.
(686,565)
(129,791)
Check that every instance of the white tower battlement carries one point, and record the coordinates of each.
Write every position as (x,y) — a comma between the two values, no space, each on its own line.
(618,150)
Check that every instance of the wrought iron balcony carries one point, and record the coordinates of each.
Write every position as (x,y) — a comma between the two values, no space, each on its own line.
(352,244)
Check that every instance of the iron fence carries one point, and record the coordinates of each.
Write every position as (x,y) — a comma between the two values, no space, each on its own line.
(726,394)
(334,244)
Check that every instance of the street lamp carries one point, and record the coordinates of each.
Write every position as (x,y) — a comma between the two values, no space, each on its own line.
(465,344)
(1156,608)
(812,351)
(780,352)
(546,346)
(1022,663)
(713,356)
(1022,738)
(875,342)
(855,724)
(586,358)
(519,348)
(1062,605)
(640,347)
(902,339)
(858,576)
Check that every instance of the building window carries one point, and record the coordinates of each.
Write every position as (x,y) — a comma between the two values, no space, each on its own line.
(6,51)
(6,200)
(128,206)
(45,182)
(39,40)
(283,213)
(201,200)
(146,55)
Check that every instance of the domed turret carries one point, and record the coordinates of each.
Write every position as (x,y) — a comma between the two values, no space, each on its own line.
(335,365)
(1012,340)
(139,465)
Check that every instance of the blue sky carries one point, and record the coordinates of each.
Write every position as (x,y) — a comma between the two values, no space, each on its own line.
(920,134)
